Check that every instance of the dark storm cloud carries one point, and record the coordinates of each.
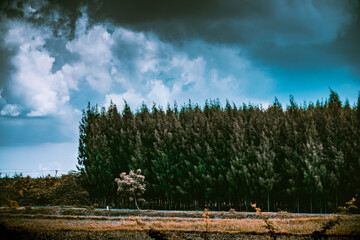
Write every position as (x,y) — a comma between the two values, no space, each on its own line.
(275,33)
(177,20)
(348,43)
(170,19)
(342,51)
(60,15)
(231,21)
(285,33)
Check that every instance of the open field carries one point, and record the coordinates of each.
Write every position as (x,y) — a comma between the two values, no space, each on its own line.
(57,223)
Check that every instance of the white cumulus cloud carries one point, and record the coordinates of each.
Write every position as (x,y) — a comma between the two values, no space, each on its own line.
(133,98)
(119,64)
(41,92)
(10,110)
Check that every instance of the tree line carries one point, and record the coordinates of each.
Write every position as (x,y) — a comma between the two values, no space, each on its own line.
(47,190)
(302,158)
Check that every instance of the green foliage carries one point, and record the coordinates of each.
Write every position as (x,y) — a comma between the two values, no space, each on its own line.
(302,158)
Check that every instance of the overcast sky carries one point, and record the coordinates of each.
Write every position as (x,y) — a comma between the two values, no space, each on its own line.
(55,57)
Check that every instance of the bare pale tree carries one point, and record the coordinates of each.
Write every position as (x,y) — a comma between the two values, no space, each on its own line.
(131,186)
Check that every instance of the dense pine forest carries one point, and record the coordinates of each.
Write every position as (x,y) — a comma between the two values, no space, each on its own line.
(299,158)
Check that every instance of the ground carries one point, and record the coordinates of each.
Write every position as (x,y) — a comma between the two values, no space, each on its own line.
(66,223)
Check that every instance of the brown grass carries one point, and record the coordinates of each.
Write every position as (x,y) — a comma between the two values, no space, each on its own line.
(350,225)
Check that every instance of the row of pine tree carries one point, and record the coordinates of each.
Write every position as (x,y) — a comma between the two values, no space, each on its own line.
(299,158)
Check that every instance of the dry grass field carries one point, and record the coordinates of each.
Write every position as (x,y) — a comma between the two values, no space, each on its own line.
(57,223)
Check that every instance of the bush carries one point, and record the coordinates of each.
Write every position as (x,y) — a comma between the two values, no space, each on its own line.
(26,191)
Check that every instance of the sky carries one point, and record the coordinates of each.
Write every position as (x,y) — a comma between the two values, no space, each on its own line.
(56,56)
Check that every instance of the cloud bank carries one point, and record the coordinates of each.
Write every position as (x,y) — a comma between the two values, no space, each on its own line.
(57,55)
(111,61)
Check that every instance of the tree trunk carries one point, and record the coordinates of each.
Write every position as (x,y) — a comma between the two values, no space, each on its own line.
(274,205)
(321,209)
(268,202)
(246,206)
(298,203)
(136,202)
(336,198)
(311,210)
(325,207)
